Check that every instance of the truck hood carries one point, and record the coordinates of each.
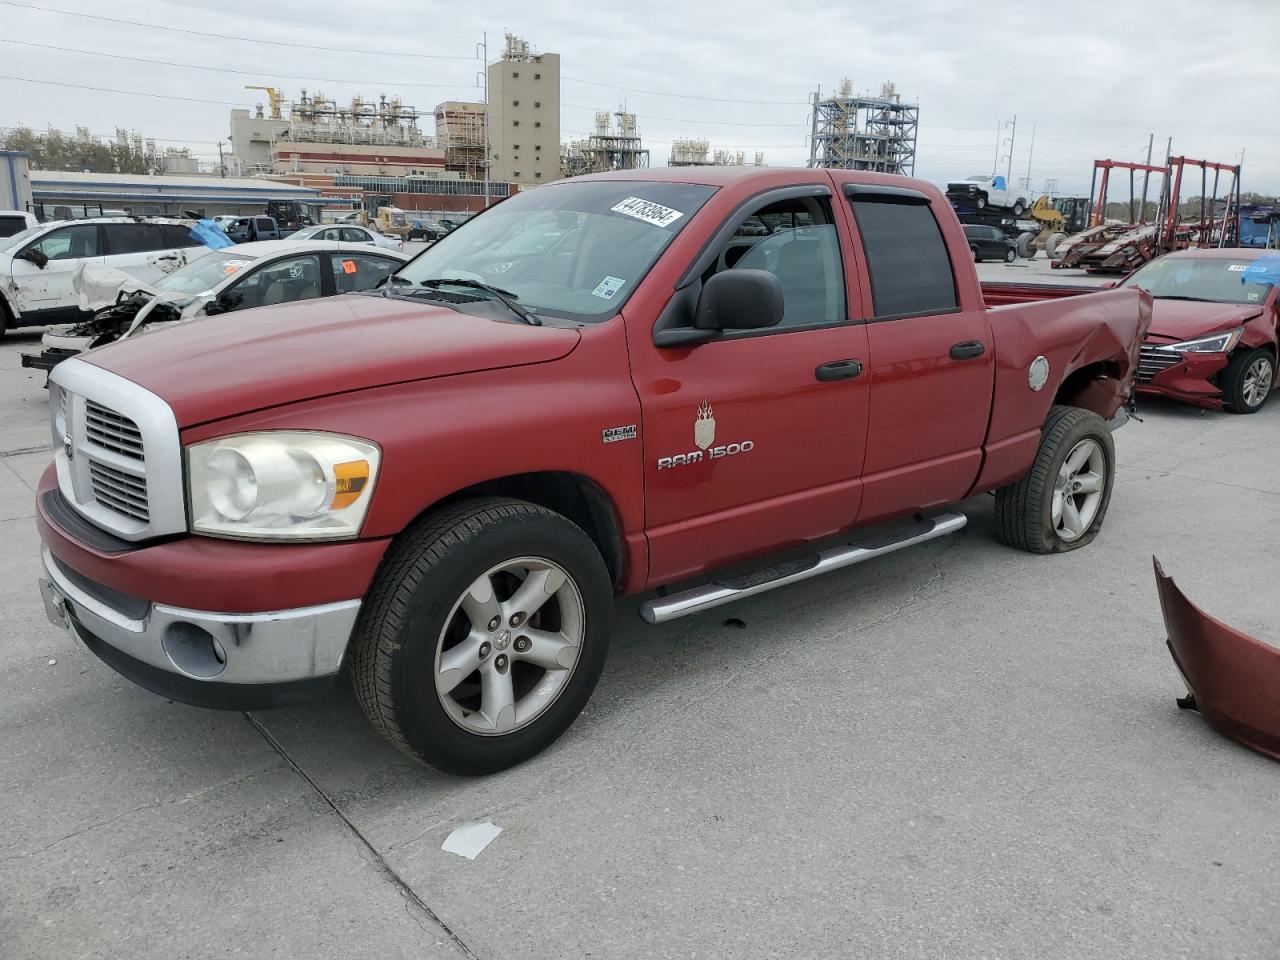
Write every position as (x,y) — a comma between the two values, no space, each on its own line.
(1177,320)
(240,362)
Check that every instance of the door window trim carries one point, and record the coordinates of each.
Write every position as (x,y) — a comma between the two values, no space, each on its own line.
(875,193)
(682,304)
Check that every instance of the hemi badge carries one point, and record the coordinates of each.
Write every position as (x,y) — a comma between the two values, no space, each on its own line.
(614,434)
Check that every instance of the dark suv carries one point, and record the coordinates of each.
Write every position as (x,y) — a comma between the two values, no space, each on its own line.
(990,243)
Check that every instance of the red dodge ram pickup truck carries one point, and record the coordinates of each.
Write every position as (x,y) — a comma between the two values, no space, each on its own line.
(604,386)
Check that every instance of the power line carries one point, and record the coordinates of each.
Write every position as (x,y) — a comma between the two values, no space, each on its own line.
(132,93)
(204,35)
(243,73)
(256,14)
(722,123)
(686,96)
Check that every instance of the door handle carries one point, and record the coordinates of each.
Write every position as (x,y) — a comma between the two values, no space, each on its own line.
(838,370)
(968,350)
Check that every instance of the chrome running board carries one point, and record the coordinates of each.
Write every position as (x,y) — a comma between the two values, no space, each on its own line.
(728,589)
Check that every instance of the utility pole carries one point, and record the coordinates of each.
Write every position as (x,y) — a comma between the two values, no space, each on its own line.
(1012,126)
(1029,154)
(1146,178)
(482,52)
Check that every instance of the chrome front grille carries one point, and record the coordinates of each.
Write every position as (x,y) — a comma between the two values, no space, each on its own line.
(113,431)
(120,491)
(1154,360)
(117,452)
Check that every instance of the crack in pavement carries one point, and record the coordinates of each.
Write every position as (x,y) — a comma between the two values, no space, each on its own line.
(185,798)
(1148,474)
(410,896)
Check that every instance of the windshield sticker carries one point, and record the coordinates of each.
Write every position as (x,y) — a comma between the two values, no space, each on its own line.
(607,287)
(231,266)
(1236,267)
(648,211)
(348,266)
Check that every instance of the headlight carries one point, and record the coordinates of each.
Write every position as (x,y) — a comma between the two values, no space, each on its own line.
(1218,343)
(281,485)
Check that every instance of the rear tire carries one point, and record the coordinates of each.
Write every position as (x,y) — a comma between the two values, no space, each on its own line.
(1019,208)
(1060,503)
(976,256)
(1010,255)
(980,201)
(1248,380)
(450,591)
(1051,245)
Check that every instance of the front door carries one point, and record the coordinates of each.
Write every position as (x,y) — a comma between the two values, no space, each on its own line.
(49,288)
(756,439)
(932,361)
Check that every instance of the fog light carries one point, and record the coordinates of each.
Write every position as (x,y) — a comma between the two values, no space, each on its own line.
(193,650)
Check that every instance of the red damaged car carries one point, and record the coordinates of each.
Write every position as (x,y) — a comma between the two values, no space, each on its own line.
(1213,337)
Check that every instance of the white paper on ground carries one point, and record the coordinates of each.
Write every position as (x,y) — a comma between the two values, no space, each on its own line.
(470,839)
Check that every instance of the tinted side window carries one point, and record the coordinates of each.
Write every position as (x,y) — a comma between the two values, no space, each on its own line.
(11,225)
(360,271)
(796,241)
(134,238)
(69,243)
(265,224)
(906,258)
(178,236)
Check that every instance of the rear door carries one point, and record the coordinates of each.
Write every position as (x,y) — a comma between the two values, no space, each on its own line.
(931,359)
(266,228)
(49,290)
(354,271)
(142,250)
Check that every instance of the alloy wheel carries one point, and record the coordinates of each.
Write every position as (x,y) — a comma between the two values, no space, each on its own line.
(509,646)
(1257,382)
(1078,489)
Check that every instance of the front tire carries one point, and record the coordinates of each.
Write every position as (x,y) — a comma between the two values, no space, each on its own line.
(1010,255)
(977,258)
(980,201)
(483,635)
(1247,380)
(1060,503)
(1019,208)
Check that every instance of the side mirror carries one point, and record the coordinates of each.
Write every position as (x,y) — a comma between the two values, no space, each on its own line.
(222,303)
(1109,285)
(739,300)
(32,255)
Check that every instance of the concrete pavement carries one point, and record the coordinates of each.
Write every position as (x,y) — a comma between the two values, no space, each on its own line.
(957,751)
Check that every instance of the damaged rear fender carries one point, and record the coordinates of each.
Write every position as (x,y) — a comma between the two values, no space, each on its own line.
(1233,679)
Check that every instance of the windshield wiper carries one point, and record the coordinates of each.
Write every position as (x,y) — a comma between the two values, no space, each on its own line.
(505,297)
(390,280)
(1178,296)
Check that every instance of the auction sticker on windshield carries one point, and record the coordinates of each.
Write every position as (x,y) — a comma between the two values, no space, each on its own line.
(231,266)
(648,211)
(607,287)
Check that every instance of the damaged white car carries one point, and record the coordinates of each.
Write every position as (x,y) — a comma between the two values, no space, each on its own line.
(234,278)
(37,264)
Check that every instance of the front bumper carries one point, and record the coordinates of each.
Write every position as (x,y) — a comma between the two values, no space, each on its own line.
(238,661)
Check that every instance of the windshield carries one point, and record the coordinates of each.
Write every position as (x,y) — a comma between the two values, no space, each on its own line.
(203,275)
(1213,279)
(18,239)
(574,250)
(978,179)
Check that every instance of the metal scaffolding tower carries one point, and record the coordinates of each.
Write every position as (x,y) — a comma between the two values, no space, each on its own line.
(864,132)
(606,149)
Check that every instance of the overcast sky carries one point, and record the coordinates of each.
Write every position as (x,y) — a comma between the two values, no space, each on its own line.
(1094,78)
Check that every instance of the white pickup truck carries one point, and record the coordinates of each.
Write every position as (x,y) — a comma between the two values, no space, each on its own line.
(983,191)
